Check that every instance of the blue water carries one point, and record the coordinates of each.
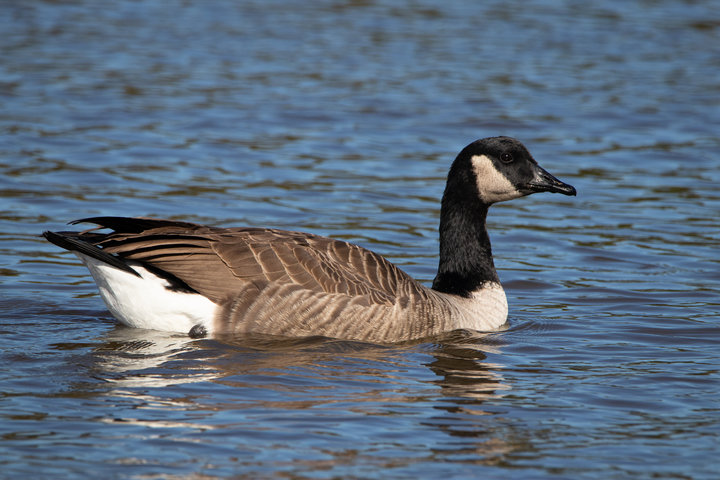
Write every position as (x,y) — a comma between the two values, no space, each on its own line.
(342,118)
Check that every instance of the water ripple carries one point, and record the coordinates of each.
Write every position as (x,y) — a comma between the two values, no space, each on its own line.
(342,118)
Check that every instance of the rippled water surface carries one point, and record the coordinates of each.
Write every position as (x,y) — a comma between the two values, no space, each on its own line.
(341,118)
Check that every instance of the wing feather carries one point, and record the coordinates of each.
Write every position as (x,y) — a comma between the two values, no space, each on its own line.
(219,263)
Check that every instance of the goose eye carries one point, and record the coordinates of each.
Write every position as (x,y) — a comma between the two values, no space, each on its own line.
(506,157)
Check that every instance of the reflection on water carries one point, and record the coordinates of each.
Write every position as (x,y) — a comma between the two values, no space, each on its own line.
(133,358)
(140,358)
(268,387)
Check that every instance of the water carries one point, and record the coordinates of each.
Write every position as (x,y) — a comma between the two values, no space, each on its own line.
(341,118)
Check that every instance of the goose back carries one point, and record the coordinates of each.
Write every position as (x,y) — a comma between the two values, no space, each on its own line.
(215,262)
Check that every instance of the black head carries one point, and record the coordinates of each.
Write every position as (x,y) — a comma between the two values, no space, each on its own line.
(503,169)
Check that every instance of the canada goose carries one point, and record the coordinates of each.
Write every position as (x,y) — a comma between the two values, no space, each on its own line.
(179,276)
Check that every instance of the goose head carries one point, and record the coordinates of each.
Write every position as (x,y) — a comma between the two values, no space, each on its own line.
(501,168)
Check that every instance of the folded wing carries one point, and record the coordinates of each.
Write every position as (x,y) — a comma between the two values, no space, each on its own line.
(218,262)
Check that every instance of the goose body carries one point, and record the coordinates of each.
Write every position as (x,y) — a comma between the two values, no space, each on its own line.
(185,277)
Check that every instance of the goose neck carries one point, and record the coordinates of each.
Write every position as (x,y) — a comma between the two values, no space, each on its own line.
(466,263)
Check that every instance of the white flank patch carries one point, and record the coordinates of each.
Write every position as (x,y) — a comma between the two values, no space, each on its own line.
(492,185)
(145,302)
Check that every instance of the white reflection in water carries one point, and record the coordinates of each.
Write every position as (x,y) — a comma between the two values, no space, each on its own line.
(281,374)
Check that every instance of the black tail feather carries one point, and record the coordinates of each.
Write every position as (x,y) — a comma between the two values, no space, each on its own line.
(69,241)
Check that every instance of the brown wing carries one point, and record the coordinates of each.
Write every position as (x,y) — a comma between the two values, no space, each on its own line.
(218,262)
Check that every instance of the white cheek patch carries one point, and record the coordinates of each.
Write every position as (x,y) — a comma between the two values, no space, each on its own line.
(492,185)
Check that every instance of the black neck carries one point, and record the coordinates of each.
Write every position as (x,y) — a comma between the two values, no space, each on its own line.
(465,254)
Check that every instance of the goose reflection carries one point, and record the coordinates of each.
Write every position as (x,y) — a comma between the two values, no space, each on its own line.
(310,371)
(127,357)
(465,410)
(240,385)
(465,373)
